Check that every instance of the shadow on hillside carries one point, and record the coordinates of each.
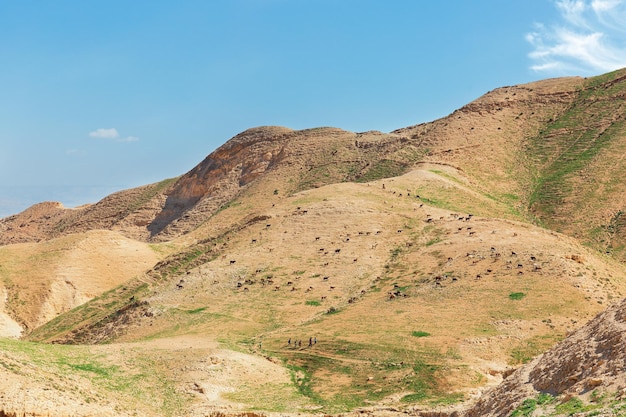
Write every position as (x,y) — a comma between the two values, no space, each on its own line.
(175,208)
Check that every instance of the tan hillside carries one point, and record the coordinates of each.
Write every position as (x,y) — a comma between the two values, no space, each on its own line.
(413,269)
(41,281)
(537,147)
(413,272)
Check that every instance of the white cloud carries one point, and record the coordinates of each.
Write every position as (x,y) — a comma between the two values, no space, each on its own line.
(113,134)
(573,11)
(105,133)
(604,5)
(589,39)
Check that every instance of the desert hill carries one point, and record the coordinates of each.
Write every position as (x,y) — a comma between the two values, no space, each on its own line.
(550,150)
(171,208)
(413,269)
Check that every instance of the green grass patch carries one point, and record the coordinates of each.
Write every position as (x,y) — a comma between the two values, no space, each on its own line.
(511,197)
(573,406)
(395,253)
(436,202)
(517,295)
(368,373)
(196,310)
(313,303)
(301,378)
(526,409)
(419,333)
(446,175)
(228,205)
(382,169)
(544,398)
(415,397)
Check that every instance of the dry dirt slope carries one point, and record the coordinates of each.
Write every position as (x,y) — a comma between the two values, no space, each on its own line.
(42,280)
(266,253)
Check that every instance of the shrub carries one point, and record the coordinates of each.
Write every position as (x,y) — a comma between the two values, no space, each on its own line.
(526,409)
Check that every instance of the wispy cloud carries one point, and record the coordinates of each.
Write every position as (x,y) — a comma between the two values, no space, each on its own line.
(589,38)
(113,134)
(105,133)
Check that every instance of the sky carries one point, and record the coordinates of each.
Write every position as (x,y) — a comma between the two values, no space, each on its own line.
(98,96)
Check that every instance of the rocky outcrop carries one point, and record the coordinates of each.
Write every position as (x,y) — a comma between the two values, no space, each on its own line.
(219,178)
(592,357)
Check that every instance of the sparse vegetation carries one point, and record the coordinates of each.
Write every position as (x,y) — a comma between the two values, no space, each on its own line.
(517,296)
(382,169)
(357,265)
(573,406)
(526,409)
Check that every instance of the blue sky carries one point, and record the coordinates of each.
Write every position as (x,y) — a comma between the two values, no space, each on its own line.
(98,96)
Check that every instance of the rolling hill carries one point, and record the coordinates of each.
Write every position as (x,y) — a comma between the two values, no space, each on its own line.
(326,271)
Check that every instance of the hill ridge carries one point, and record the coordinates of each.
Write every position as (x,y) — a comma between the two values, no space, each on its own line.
(414,268)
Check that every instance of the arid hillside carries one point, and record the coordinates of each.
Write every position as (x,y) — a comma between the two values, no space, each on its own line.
(550,150)
(42,280)
(295,160)
(325,271)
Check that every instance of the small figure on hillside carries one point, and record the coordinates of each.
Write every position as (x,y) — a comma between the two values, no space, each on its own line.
(289,342)
(315,340)
(310,341)
(299,343)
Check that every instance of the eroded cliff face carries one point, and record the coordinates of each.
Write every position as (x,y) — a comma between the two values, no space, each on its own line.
(219,178)
(163,210)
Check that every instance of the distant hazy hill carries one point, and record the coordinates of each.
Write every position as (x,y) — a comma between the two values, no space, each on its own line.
(15,199)
(323,270)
